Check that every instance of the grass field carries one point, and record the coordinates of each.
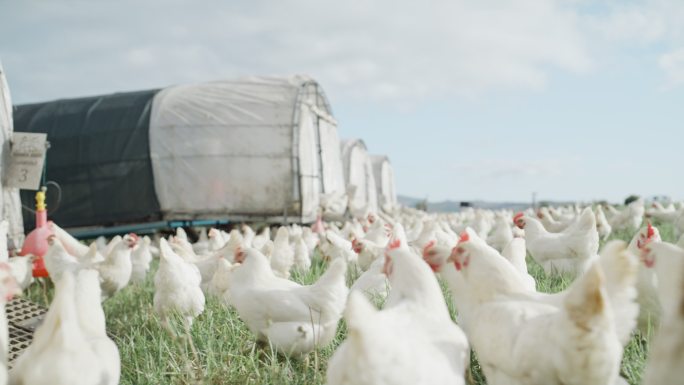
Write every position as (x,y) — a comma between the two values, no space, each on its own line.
(228,353)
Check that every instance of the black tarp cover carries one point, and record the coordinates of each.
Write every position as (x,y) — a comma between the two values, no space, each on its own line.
(99,155)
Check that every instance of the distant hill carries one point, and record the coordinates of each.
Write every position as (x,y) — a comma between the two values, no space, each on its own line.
(451,206)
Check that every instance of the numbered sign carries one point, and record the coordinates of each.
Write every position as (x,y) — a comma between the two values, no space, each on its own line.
(27,156)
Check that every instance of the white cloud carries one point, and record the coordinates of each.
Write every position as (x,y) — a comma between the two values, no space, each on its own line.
(653,29)
(383,50)
(399,50)
(673,65)
(633,24)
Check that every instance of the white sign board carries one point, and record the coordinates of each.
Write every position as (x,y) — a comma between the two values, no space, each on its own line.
(27,156)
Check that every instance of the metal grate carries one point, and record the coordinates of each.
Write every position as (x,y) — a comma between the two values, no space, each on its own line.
(25,314)
(19,340)
(23,317)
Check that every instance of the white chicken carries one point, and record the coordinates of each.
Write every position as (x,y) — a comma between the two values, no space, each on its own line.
(372,245)
(664,214)
(564,213)
(501,234)
(181,235)
(71,244)
(115,271)
(481,224)
(378,232)
(202,244)
(431,350)
(615,259)
(258,241)
(337,247)
(414,232)
(580,344)
(295,231)
(267,249)
(92,323)
(207,267)
(368,252)
(373,282)
(57,260)
(177,287)
(610,211)
(436,254)
(650,310)
(248,235)
(216,240)
(515,252)
(667,262)
(666,352)
(235,240)
(629,218)
(111,245)
(140,259)
(302,258)
(60,353)
(351,230)
(183,248)
(282,256)
(101,243)
(427,235)
(569,251)
(602,226)
(295,319)
(93,255)
(310,238)
(220,283)
(22,270)
(206,264)
(550,223)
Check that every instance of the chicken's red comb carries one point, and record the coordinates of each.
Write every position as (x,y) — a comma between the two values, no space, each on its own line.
(650,231)
(394,244)
(428,246)
(464,237)
(356,246)
(518,216)
(134,236)
(11,287)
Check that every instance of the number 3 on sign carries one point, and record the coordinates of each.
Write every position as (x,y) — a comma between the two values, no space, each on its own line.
(23,175)
(27,156)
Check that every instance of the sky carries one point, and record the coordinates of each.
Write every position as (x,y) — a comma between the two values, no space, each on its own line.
(471,99)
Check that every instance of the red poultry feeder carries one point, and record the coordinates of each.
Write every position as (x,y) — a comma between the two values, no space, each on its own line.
(36,241)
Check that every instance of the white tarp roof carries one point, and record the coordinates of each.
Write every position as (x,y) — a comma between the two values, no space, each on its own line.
(254,140)
(358,175)
(384,182)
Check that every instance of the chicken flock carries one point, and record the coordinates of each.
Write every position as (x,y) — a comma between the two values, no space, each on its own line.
(519,334)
